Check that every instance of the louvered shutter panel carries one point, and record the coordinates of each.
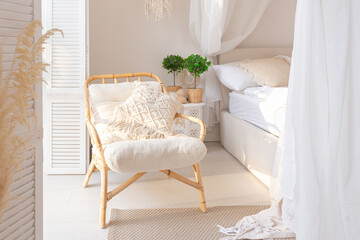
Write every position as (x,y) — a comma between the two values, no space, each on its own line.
(64,127)
(22,219)
(19,218)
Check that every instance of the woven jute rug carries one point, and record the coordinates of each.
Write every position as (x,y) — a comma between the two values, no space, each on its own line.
(175,223)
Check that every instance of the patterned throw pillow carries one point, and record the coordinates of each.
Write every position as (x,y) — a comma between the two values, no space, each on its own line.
(147,113)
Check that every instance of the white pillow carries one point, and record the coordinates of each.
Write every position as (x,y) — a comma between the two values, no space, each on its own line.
(234,77)
(116,92)
(146,114)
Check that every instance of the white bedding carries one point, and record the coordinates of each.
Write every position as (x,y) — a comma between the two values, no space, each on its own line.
(261,106)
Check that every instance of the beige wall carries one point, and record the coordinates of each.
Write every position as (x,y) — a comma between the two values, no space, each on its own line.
(276,28)
(122,40)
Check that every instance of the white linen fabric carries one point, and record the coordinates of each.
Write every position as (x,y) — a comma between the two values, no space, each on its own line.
(102,116)
(220,26)
(268,224)
(266,113)
(320,161)
(274,95)
(233,77)
(217,27)
(320,182)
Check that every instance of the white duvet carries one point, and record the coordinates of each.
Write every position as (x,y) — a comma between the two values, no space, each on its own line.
(274,95)
(262,106)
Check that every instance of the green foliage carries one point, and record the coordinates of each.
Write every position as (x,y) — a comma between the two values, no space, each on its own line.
(197,65)
(173,63)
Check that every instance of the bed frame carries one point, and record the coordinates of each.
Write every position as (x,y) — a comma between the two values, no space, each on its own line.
(254,147)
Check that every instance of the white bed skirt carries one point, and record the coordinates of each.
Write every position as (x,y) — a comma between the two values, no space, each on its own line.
(254,147)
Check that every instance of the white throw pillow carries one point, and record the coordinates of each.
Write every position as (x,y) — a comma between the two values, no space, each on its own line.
(116,92)
(146,114)
(234,77)
(151,108)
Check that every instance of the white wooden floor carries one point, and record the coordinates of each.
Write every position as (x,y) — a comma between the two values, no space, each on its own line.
(71,212)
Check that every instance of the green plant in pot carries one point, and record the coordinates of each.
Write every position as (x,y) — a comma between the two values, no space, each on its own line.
(174,64)
(196,65)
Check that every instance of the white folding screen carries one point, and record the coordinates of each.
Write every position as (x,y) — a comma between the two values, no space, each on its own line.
(22,219)
(65,150)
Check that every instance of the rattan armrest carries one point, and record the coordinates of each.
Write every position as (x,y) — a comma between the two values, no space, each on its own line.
(95,139)
(196,120)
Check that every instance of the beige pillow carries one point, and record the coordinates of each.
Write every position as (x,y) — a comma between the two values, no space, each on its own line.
(146,114)
(273,72)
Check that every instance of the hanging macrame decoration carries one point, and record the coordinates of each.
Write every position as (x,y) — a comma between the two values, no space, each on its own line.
(159,8)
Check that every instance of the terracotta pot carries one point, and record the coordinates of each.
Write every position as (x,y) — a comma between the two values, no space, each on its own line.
(173,88)
(195,95)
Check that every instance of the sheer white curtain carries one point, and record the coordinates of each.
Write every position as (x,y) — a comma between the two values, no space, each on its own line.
(218,26)
(320,161)
(321,179)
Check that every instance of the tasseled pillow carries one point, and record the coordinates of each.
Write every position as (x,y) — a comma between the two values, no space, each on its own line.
(146,114)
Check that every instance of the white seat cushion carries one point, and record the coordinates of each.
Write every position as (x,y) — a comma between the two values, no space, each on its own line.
(154,154)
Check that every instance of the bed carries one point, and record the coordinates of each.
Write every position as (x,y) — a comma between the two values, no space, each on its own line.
(248,142)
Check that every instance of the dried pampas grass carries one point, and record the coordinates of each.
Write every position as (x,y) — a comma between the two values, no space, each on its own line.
(16,110)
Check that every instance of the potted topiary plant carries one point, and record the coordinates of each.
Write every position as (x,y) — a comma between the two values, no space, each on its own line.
(174,64)
(196,65)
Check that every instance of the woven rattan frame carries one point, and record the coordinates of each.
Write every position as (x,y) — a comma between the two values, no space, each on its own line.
(99,163)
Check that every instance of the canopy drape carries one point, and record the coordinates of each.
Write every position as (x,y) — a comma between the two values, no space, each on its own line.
(321,177)
(218,26)
(319,156)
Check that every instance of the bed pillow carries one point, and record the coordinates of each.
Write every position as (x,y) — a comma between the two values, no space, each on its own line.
(273,72)
(233,77)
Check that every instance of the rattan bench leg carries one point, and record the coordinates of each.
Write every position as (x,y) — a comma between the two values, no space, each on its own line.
(103,197)
(90,170)
(201,185)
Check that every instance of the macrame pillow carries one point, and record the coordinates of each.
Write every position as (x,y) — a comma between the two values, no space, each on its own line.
(146,114)
(273,72)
